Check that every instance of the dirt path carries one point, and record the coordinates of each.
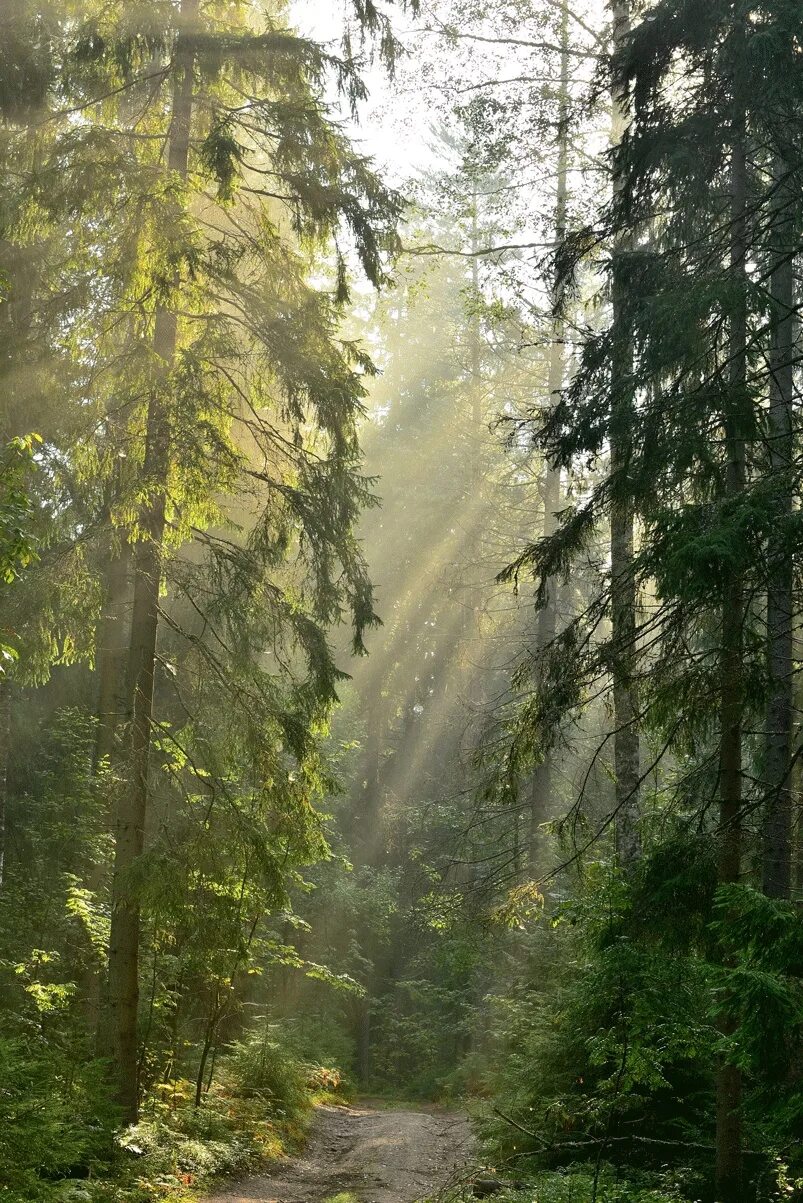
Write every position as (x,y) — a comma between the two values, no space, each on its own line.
(376,1156)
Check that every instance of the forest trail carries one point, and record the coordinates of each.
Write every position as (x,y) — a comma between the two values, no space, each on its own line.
(376,1156)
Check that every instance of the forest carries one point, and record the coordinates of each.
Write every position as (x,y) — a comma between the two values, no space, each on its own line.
(401,600)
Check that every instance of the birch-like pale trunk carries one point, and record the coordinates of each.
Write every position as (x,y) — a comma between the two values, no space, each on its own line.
(541,784)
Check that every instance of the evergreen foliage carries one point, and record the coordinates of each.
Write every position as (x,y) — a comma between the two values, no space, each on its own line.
(400,591)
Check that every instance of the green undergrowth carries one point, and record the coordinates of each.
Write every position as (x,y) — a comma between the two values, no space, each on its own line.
(58,1142)
(582,1184)
(174,1152)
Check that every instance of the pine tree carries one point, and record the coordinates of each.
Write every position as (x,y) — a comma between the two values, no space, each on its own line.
(624,597)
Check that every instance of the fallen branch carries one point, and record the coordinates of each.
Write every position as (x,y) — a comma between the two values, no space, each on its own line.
(526,1131)
(594,1142)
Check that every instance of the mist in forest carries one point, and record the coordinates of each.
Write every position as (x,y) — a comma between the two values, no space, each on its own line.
(400,465)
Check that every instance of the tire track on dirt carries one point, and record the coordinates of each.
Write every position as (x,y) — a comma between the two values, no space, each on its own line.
(392,1156)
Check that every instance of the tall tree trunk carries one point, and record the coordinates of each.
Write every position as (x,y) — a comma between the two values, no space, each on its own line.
(729,1082)
(366,820)
(475,337)
(111,658)
(472,551)
(112,653)
(777,861)
(5,753)
(541,785)
(123,985)
(797,813)
(624,598)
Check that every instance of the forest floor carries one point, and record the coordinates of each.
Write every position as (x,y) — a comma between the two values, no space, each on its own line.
(366,1155)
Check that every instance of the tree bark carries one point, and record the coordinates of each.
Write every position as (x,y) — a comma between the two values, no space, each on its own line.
(541,786)
(777,860)
(123,985)
(5,753)
(210,1036)
(364,1040)
(366,820)
(472,606)
(729,1079)
(111,660)
(797,820)
(112,648)
(624,594)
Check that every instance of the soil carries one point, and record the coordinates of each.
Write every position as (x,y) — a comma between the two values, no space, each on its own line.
(376,1156)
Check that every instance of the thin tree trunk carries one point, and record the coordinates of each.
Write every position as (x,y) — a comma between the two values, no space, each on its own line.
(5,753)
(123,989)
(473,597)
(777,861)
(476,346)
(364,1040)
(729,1080)
(366,820)
(541,786)
(209,1040)
(210,1077)
(624,597)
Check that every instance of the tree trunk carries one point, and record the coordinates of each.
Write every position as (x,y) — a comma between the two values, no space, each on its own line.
(5,753)
(777,861)
(123,988)
(364,1040)
(210,1036)
(797,824)
(111,659)
(624,598)
(366,820)
(729,1082)
(472,605)
(541,786)
(112,648)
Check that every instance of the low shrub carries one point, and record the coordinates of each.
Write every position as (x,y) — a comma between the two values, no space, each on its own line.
(261,1067)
